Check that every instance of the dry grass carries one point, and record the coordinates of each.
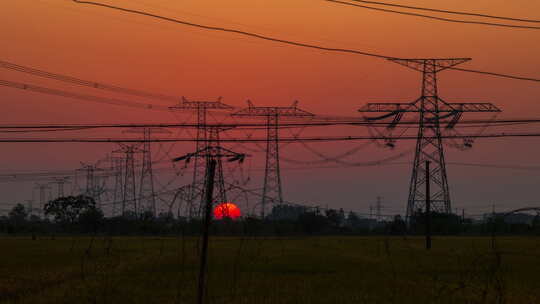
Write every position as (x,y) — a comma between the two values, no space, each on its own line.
(270,270)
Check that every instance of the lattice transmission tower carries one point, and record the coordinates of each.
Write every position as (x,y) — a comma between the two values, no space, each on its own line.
(129,192)
(214,146)
(272,191)
(433,113)
(117,164)
(60,183)
(44,196)
(147,196)
(93,187)
(195,193)
(114,191)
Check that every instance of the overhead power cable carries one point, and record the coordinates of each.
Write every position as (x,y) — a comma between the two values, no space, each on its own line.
(283,41)
(256,140)
(87,83)
(501,122)
(449,11)
(495,166)
(92,98)
(434,17)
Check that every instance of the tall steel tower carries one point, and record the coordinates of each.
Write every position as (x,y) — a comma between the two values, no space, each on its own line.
(43,190)
(433,112)
(220,195)
(93,187)
(60,183)
(116,166)
(202,107)
(129,195)
(272,191)
(147,197)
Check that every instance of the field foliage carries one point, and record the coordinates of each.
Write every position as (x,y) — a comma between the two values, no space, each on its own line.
(270,270)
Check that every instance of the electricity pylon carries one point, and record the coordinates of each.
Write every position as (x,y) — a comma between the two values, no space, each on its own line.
(43,188)
(272,191)
(129,193)
(433,112)
(211,154)
(60,182)
(196,190)
(147,197)
(116,165)
(378,206)
(219,183)
(93,188)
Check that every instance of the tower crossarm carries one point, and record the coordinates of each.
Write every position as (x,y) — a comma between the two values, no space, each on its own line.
(291,111)
(471,107)
(186,104)
(395,108)
(439,64)
(378,107)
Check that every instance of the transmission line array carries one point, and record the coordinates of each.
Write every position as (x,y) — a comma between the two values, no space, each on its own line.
(433,112)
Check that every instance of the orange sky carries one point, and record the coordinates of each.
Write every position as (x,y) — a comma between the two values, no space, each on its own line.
(138,52)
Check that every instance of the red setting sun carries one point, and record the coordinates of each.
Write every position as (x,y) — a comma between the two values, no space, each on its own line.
(224,210)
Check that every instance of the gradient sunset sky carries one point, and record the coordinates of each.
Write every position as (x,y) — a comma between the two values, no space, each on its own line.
(139,52)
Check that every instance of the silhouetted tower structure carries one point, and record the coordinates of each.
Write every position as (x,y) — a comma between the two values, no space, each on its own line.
(93,188)
(116,165)
(115,170)
(214,147)
(147,197)
(379,208)
(210,154)
(30,207)
(43,196)
(129,193)
(433,111)
(272,191)
(60,183)
(196,190)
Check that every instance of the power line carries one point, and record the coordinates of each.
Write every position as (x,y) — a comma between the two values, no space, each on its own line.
(494,166)
(279,40)
(255,140)
(92,98)
(449,11)
(82,82)
(434,17)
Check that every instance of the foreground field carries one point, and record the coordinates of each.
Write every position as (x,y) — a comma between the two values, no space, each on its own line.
(270,270)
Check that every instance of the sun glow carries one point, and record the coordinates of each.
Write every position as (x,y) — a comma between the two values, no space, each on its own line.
(226,210)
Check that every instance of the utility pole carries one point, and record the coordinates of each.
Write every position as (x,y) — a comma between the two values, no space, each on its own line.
(210,154)
(493,226)
(210,173)
(272,191)
(432,111)
(428,206)
(196,190)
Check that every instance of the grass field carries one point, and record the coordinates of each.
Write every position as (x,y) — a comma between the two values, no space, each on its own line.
(270,270)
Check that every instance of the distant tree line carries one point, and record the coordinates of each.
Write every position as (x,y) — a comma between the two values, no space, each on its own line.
(80,215)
